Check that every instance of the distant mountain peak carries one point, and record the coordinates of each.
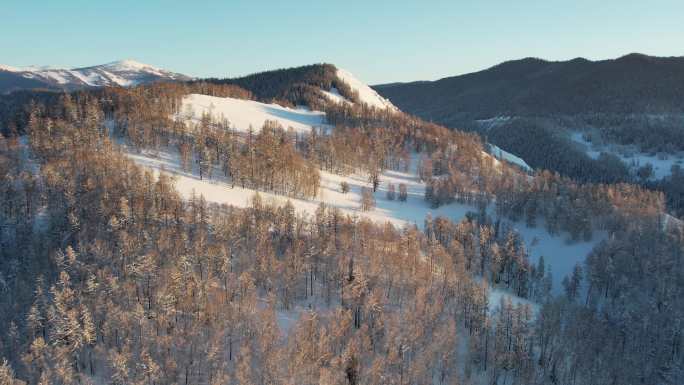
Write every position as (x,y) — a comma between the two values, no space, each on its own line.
(579,59)
(129,65)
(635,55)
(122,73)
(7,68)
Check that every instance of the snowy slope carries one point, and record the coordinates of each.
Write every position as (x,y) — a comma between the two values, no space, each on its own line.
(219,190)
(508,157)
(241,114)
(560,254)
(557,251)
(334,96)
(366,94)
(120,73)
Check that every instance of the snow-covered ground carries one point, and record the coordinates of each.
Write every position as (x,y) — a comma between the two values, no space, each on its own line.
(508,157)
(633,158)
(334,96)
(366,94)
(561,255)
(490,123)
(241,114)
(219,190)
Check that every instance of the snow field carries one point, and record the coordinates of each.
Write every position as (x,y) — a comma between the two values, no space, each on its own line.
(219,190)
(334,96)
(366,94)
(241,114)
(508,157)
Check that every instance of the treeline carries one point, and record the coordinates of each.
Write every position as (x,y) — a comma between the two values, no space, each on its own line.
(564,204)
(151,104)
(647,133)
(577,209)
(293,86)
(363,138)
(268,160)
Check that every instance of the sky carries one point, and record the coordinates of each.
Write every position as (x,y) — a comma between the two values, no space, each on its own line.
(378,41)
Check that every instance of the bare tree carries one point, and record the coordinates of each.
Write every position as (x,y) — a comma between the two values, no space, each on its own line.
(403,193)
(367,199)
(391,192)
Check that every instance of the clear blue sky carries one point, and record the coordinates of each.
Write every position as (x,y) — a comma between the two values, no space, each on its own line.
(379,41)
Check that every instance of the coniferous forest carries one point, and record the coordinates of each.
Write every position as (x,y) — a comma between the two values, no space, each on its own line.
(109,276)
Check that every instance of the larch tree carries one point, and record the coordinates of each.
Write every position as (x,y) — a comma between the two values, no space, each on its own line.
(367,199)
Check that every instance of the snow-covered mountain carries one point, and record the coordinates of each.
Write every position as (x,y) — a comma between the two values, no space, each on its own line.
(122,73)
(241,114)
(313,85)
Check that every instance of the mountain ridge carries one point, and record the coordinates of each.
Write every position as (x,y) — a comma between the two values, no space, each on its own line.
(578,59)
(532,86)
(122,73)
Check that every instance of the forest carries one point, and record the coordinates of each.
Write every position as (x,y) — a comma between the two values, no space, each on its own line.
(649,133)
(526,136)
(109,276)
(630,85)
(292,86)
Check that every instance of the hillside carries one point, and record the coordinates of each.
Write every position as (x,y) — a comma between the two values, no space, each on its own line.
(631,84)
(122,73)
(312,85)
(630,108)
(242,114)
(150,236)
